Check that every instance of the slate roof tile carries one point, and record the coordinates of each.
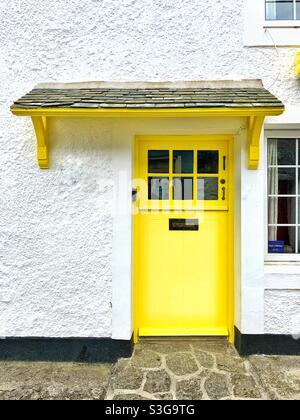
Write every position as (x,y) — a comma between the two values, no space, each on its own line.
(148,98)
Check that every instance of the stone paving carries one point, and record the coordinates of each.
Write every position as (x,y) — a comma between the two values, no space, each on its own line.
(158,370)
(202,370)
(53,381)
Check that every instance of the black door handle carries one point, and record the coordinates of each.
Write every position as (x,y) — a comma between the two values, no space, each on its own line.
(224,194)
(134,194)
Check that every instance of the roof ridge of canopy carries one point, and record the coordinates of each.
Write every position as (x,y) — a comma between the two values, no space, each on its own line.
(197,84)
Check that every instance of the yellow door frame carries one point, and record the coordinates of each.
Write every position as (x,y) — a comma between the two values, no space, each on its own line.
(231,282)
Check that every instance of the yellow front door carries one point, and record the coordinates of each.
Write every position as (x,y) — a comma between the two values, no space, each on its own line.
(181,233)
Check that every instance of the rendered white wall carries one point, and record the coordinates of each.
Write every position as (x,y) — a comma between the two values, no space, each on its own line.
(282,299)
(56,233)
(134,40)
(122,286)
(283,312)
(44,288)
(252,245)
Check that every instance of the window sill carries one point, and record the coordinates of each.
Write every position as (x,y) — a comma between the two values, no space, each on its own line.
(280,34)
(280,263)
(281,24)
(282,275)
(282,267)
(282,259)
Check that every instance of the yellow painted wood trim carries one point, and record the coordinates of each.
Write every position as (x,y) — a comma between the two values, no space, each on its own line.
(255,129)
(151,113)
(188,137)
(161,332)
(41,130)
(297,69)
(231,260)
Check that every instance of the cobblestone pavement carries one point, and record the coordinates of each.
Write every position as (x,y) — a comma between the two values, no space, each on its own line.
(159,370)
(202,370)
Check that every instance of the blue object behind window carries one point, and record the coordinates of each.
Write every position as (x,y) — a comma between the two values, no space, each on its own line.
(276,247)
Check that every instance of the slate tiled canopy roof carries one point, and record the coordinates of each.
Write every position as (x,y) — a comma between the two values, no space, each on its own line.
(148,97)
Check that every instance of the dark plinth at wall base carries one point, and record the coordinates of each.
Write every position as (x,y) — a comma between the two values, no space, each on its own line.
(269,344)
(81,350)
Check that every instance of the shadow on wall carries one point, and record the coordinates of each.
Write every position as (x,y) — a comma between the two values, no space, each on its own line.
(80,141)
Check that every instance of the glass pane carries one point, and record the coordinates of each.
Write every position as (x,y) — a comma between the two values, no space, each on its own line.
(183,188)
(282,211)
(158,188)
(279,10)
(282,181)
(208,162)
(282,152)
(282,240)
(208,189)
(286,152)
(286,181)
(183,162)
(158,161)
(298,10)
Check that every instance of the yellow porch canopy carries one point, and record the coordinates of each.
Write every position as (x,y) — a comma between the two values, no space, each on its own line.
(245,98)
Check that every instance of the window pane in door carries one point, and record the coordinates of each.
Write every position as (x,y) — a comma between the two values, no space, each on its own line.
(208,189)
(183,161)
(158,188)
(183,188)
(279,9)
(282,211)
(158,161)
(208,162)
(282,240)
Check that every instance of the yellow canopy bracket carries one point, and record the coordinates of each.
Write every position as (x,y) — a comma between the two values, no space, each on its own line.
(255,128)
(41,131)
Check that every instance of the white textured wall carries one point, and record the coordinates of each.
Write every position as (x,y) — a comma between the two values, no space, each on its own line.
(133,40)
(282,308)
(55,243)
(56,234)
(282,299)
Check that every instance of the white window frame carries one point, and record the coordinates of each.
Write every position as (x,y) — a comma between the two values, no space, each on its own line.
(281,134)
(261,32)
